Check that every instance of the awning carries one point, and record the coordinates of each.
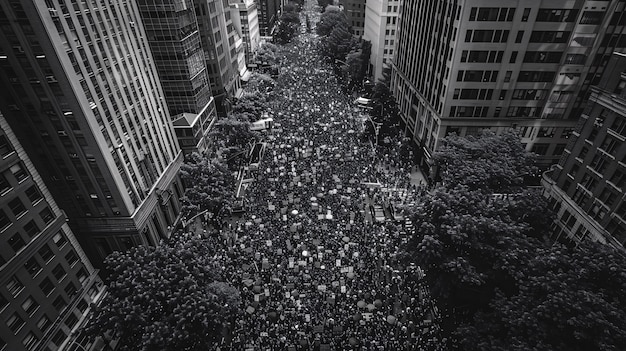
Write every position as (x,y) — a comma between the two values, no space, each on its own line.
(246,76)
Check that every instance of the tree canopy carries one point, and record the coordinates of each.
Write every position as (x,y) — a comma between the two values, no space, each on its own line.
(497,163)
(499,282)
(169,297)
(210,185)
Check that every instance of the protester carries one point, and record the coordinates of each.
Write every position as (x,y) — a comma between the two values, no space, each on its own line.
(315,270)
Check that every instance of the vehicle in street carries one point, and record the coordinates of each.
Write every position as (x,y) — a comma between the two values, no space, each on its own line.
(378,213)
(363,103)
(262,124)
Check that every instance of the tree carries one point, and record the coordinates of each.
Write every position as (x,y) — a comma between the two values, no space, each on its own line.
(251,106)
(357,62)
(495,163)
(170,297)
(261,83)
(328,21)
(324,3)
(210,185)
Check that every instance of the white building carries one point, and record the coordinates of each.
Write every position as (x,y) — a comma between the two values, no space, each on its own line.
(381,19)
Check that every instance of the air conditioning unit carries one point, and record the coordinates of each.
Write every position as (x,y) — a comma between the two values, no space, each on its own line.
(62,133)
(53,13)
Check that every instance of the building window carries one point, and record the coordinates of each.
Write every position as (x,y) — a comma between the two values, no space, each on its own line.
(5,147)
(59,338)
(59,239)
(46,253)
(4,220)
(33,194)
(46,215)
(542,57)
(44,323)
(59,303)
(15,322)
(540,149)
(17,207)
(16,242)
(31,228)
(526,14)
(58,272)
(536,76)
(513,57)
(591,17)
(4,184)
(30,306)
(71,320)
(70,289)
(32,266)
(519,36)
(46,286)
(549,36)
(30,341)
(18,172)
(71,258)
(556,15)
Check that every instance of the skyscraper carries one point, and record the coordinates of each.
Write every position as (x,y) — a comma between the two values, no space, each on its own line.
(380,25)
(172,32)
(46,281)
(355,12)
(461,66)
(245,17)
(219,41)
(587,187)
(83,95)
(269,12)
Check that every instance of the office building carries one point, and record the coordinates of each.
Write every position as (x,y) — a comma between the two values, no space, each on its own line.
(172,32)
(269,13)
(220,43)
(355,12)
(460,67)
(245,17)
(46,281)
(380,25)
(587,186)
(83,96)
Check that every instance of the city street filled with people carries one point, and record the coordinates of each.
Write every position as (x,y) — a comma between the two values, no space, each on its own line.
(316,267)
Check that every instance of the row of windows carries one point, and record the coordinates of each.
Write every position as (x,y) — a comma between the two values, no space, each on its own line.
(482,56)
(473,94)
(501,14)
(469,111)
(486,36)
(477,76)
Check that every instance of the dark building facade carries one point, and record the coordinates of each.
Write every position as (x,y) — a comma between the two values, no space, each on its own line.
(172,31)
(463,66)
(47,283)
(587,186)
(83,96)
(269,13)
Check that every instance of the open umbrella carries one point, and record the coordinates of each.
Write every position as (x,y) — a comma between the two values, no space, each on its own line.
(361,304)
(378,303)
(371,307)
(391,320)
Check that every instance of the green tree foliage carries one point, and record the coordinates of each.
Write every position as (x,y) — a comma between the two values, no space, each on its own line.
(260,82)
(324,3)
(499,282)
(251,106)
(170,297)
(266,54)
(357,62)
(210,185)
(328,21)
(288,24)
(496,163)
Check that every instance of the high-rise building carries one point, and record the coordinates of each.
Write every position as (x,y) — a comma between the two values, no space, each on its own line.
(381,21)
(172,32)
(355,12)
(587,187)
(47,283)
(245,17)
(269,13)
(462,66)
(83,95)
(220,43)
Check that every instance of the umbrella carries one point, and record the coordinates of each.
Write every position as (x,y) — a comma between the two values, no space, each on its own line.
(357,316)
(391,319)
(361,304)
(353,341)
(378,303)
(273,316)
(305,253)
(345,239)
(350,275)
(371,307)
(294,212)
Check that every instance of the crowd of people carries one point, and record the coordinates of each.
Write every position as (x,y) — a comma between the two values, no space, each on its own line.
(315,270)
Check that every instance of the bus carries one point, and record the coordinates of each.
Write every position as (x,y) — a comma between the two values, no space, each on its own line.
(262,124)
